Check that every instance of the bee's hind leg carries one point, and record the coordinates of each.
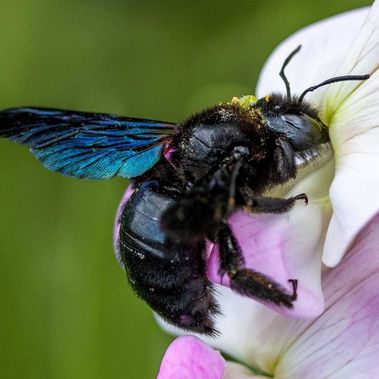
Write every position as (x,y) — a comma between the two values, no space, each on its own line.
(246,281)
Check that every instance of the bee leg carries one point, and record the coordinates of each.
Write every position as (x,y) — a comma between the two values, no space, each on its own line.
(246,281)
(262,204)
(200,211)
(284,167)
(190,218)
(232,187)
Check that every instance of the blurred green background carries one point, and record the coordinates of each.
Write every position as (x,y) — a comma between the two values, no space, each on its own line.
(66,309)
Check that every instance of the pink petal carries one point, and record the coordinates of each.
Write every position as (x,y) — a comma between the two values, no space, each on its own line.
(286,246)
(264,239)
(344,341)
(189,358)
(116,228)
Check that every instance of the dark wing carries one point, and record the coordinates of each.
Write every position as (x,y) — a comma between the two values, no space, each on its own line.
(87,145)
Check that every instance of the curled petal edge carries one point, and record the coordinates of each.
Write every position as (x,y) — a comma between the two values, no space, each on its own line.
(189,358)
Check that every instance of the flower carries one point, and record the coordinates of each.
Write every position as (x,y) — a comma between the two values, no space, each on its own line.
(342,343)
(343,199)
(333,47)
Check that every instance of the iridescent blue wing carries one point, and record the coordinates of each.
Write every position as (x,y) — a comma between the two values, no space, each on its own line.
(87,145)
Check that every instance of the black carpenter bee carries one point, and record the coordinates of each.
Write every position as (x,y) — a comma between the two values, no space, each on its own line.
(188,178)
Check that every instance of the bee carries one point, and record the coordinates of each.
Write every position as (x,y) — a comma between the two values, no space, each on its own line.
(187,179)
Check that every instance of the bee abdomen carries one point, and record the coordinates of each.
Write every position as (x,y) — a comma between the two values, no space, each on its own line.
(170,276)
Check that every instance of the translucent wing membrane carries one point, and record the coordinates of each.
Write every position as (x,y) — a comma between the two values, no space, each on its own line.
(87,145)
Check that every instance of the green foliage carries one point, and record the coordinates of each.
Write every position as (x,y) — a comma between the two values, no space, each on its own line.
(66,309)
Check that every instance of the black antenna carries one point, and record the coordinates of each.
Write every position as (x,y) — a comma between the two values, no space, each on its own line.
(282,74)
(333,80)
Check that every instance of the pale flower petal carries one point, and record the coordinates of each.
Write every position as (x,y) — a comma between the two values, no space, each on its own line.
(246,328)
(189,358)
(238,371)
(323,55)
(353,109)
(344,341)
(324,44)
(362,57)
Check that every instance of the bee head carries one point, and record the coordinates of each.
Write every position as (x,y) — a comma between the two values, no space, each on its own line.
(290,118)
(295,122)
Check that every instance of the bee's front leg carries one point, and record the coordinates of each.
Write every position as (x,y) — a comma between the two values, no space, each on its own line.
(198,213)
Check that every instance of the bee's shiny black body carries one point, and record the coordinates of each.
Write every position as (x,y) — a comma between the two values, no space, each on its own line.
(188,179)
(169,275)
(185,200)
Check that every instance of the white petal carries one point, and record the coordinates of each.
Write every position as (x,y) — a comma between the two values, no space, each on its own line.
(324,44)
(344,341)
(362,57)
(250,332)
(354,132)
(237,371)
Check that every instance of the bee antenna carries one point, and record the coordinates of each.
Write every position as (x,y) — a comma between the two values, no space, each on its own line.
(333,80)
(283,75)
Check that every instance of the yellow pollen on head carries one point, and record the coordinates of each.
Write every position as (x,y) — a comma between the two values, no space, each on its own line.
(267,99)
(245,102)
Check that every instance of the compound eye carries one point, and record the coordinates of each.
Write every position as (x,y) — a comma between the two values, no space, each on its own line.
(305,130)
(301,122)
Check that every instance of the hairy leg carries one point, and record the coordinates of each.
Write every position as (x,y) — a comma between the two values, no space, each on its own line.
(262,204)
(246,281)
(199,213)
